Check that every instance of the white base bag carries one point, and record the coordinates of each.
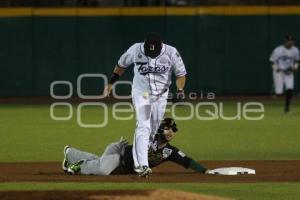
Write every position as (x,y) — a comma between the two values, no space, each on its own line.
(231,171)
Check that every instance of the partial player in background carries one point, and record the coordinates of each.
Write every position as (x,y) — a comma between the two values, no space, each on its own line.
(285,60)
(153,63)
(118,159)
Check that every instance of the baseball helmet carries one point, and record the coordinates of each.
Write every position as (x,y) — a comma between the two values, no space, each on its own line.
(152,45)
(167,123)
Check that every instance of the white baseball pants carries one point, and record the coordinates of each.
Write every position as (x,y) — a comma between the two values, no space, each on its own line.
(283,81)
(150,111)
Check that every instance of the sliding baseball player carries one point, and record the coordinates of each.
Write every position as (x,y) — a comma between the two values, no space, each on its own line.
(118,156)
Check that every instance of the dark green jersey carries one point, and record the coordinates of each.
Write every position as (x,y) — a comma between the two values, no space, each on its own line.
(156,156)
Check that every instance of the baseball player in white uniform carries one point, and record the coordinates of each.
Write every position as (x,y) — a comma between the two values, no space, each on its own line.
(285,60)
(153,63)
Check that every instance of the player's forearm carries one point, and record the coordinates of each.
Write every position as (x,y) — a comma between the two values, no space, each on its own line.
(180,82)
(118,71)
(274,66)
(194,165)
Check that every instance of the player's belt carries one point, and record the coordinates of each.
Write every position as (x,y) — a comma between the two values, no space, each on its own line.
(160,94)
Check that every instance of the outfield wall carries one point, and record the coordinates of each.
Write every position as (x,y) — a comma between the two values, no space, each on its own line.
(225,49)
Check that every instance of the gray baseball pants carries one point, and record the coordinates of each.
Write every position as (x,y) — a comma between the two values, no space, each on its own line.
(93,164)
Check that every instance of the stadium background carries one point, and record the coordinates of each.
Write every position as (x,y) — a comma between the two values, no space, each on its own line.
(225,48)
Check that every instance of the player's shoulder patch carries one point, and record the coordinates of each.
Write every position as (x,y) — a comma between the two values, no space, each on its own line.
(166,152)
(181,154)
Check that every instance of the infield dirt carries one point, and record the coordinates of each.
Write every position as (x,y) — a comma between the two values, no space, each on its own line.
(266,171)
(107,195)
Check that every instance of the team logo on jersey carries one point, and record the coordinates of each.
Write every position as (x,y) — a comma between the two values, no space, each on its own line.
(166,152)
(143,69)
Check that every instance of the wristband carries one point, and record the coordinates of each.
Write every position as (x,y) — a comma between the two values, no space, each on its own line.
(113,78)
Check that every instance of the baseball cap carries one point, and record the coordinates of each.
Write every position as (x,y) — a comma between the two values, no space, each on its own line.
(152,45)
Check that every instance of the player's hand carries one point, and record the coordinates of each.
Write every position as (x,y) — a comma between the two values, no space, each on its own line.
(107,90)
(180,96)
(123,143)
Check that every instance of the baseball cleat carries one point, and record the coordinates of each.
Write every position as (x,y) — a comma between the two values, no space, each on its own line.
(287,111)
(146,171)
(65,163)
(138,169)
(74,168)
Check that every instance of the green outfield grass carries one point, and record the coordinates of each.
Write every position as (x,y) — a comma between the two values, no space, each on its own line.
(36,137)
(29,134)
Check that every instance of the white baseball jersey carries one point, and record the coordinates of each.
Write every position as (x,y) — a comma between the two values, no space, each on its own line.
(285,58)
(153,75)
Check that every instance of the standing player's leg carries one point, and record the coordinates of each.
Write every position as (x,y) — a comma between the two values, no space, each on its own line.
(278,78)
(159,108)
(289,85)
(142,132)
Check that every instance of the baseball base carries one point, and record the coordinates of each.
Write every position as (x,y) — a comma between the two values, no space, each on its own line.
(231,171)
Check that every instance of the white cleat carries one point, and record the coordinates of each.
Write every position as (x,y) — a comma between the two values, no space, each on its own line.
(145,171)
